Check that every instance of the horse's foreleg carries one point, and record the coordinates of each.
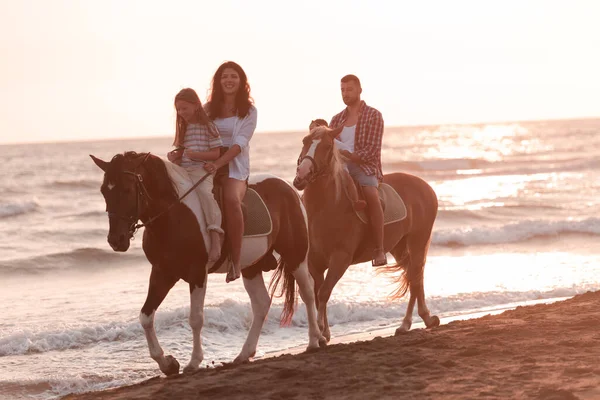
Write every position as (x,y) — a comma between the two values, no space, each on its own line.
(261,302)
(318,275)
(306,286)
(197,295)
(338,264)
(160,284)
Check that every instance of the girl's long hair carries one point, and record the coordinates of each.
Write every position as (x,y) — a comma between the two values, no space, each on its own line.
(243,101)
(190,96)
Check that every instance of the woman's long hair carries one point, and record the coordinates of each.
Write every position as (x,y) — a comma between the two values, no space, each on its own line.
(190,96)
(243,101)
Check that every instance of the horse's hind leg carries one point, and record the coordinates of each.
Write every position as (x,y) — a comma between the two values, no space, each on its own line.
(306,286)
(261,302)
(160,284)
(407,321)
(400,253)
(418,247)
(197,295)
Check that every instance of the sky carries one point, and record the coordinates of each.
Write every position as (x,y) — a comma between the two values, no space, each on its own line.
(101,69)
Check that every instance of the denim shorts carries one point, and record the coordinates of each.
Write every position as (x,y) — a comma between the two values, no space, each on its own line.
(359,175)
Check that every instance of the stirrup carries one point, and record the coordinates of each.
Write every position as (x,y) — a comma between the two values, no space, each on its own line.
(379,263)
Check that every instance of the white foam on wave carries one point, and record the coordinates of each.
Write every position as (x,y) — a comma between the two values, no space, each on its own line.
(233,319)
(515,232)
(18,208)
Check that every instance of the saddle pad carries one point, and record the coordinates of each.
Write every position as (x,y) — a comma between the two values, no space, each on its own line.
(257,220)
(395,210)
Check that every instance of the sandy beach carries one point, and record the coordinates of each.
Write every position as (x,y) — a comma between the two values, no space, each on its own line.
(544,351)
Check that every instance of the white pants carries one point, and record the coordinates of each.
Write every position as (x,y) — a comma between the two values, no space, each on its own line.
(210,208)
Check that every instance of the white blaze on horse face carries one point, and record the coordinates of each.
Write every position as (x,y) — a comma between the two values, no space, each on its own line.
(306,164)
(110,186)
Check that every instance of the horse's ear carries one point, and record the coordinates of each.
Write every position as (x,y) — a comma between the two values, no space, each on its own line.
(103,165)
(335,132)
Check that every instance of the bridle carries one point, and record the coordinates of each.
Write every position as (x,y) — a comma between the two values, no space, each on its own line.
(316,170)
(141,194)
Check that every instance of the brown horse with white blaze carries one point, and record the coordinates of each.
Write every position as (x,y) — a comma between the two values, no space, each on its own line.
(338,238)
(144,187)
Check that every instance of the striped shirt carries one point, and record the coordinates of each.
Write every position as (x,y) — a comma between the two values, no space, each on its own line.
(198,138)
(368,138)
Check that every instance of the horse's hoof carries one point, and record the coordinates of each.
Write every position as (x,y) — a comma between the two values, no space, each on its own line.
(434,322)
(172,366)
(310,349)
(243,360)
(323,342)
(190,369)
(401,331)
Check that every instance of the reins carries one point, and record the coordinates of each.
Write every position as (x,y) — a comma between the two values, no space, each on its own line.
(142,191)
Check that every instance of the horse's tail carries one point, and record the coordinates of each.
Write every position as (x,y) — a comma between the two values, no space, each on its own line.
(288,289)
(411,252)
(400,270)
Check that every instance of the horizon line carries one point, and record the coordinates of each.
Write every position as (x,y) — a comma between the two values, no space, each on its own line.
(270,132)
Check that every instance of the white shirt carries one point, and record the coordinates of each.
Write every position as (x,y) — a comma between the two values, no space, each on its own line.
(346,141)
(225,126)
(241,130)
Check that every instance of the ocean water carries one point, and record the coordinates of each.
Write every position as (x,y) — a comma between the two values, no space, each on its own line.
(518,223)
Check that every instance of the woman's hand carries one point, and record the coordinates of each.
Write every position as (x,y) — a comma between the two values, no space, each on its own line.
(190,154)
(175,156)
(210,167)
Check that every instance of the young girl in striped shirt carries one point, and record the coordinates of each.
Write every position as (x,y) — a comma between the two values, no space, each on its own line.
(197,141)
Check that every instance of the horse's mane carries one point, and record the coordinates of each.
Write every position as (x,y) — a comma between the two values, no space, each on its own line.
(337,172)
(157,176)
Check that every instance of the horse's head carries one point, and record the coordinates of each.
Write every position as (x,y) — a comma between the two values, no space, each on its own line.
(125,194)
(318,156)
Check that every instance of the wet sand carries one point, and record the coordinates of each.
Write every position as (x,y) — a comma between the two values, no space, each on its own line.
(544,351)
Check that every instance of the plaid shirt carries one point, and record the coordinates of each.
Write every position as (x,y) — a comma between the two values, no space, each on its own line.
(368,137)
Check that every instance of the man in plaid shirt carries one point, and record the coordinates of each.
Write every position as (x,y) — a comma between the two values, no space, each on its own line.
(360,143)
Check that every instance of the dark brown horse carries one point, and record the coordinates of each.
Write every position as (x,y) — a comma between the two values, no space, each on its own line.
(339,239)
(147,188)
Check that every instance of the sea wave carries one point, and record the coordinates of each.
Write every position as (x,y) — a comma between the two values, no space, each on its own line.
(74,184)
(18,208)
(233,317)
(461,167)
(514,232)
(78,259)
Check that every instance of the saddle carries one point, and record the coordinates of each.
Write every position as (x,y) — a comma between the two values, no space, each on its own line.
(257,219)
(394,209)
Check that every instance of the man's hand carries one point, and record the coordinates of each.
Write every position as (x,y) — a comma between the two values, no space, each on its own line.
(350,156)
(319,131)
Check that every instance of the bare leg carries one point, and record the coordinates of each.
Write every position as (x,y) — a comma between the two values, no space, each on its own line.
(352,190)
(160,284)
(305,284)
(234,192)
(197,296)
(261,302)
(376,219)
